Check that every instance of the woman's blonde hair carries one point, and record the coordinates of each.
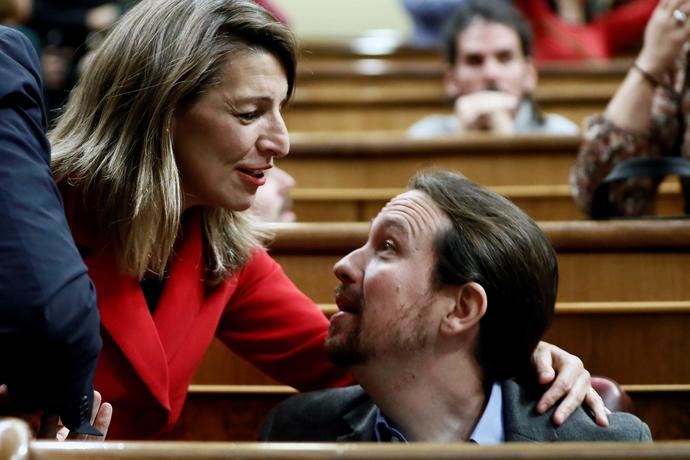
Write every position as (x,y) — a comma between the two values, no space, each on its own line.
(114,141)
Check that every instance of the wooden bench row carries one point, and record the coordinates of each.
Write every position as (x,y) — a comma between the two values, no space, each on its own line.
(631,342)
(389,161)
(541,202)
(424,76)
(352,86)
(235,413)
(42,450)
(598,261)
(357,110)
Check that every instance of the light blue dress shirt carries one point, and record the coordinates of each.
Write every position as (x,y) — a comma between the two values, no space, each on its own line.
(489,429)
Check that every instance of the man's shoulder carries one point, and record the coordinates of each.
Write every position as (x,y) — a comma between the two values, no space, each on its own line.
(15,44)
(335,400)
(622,427)
(523,423)
(558,124)
(19,65)
(314,416)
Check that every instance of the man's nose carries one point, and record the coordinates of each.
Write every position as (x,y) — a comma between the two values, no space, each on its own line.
(491,71)
(346,269)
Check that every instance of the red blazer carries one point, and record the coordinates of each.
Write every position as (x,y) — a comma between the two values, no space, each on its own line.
(148,361)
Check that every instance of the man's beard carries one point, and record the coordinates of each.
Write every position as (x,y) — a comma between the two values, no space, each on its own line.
(347,348)
(345,351)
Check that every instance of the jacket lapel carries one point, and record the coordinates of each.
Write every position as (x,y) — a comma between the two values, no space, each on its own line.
(126,318)
(361,420)
(183,293)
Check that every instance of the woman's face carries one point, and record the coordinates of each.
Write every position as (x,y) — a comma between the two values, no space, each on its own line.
(226,140)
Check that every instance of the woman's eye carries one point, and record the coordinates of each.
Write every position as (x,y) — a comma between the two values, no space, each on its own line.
(248,116)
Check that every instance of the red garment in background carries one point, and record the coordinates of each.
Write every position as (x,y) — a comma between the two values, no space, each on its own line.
(275,11)
(608,34)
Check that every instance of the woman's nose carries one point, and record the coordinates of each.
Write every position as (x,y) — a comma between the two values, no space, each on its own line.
(276,141)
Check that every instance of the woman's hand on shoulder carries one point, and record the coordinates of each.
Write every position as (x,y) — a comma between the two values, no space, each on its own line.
(570,383)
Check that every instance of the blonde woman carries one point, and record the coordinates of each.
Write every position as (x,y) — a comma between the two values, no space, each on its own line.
(159,150)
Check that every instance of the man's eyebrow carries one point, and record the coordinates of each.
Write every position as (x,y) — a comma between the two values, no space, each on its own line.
(396,223)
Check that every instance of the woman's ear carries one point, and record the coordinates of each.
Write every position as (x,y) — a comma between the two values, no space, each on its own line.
(470,307)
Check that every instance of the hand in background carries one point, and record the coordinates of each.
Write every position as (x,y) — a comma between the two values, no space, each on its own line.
(487,111)
(664,37)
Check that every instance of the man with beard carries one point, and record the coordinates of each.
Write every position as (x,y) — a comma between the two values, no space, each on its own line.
(491,76)
(440,311)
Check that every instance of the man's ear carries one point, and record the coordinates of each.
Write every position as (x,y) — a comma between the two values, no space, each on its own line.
(531,77)
(470,307)
(450,83)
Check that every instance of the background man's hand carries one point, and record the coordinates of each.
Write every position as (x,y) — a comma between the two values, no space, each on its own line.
(487,111)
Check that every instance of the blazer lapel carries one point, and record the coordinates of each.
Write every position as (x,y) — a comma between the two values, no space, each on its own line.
(126,318)
(183,293)
(361,420)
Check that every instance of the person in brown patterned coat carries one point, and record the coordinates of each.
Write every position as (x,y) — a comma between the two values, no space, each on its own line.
(647,116)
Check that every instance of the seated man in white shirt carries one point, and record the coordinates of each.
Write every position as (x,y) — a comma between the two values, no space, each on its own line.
(440,311)
(491,76)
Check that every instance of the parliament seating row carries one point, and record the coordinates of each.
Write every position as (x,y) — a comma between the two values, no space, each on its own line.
(541,202)
(321,64)
(353,91)
(42,450)
(631,342)
(346,178)
(217,412)
(388,78)
(359,110)
(628,260)
(389,161)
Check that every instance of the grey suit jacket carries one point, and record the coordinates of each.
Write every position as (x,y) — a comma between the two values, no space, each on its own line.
(347,414)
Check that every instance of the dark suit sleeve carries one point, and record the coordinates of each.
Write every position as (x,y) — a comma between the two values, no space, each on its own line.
(49,324)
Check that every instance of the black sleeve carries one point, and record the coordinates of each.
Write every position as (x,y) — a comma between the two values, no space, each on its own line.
(49,323)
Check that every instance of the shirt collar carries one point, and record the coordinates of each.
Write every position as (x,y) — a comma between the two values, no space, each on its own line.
(384,431)
(489,429)
(524,117)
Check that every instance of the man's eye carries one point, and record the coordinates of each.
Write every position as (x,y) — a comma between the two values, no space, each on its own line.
(473,60)
(388,245)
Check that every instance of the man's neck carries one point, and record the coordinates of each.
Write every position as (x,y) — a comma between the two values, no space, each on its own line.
(434,400)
